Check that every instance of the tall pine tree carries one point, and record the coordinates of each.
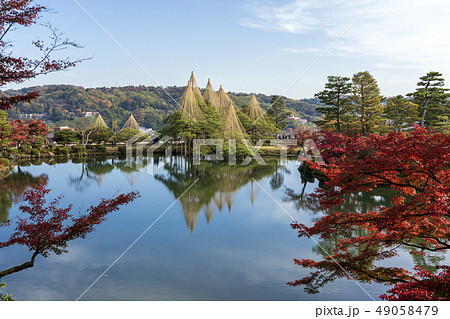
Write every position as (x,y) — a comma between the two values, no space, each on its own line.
(366,100)
(432,98)
(278,111)
(335,98)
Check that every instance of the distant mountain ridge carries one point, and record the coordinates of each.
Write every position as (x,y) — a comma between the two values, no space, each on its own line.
(149,105)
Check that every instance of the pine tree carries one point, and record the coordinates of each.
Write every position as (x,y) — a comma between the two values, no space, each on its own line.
(278,111)
(5,129)
(366,100)
(400,112)
(431,98)
(335,98)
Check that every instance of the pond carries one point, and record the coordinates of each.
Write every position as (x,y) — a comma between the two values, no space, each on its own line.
(228,237)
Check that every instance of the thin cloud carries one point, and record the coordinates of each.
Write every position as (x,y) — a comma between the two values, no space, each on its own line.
(401,33)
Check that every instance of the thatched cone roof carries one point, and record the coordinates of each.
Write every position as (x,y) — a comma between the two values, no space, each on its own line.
(223,98)
(188,105)
(254,109)
(99,122)
(233,128)
(131,123)
(195,88)
(210,95)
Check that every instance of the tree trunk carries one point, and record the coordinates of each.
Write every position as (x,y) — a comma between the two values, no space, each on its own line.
(24,266)
(425,107)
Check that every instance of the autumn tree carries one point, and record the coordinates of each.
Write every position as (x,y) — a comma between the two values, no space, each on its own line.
(431,96)
(336,100)
(37,129)
(19,133)
(400,113)
(48,228)
(366,99)
(415,166)
(13,69)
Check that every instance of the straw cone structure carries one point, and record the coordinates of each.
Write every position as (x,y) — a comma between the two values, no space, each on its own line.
(223,98)
(131,123)
(99,122)
(211,95)
(188,106)
(195,88)
(233,128)
(254,110)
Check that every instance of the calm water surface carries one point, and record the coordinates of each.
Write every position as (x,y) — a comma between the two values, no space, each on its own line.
(225,239)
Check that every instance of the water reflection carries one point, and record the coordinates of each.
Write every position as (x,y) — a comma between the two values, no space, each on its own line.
(216,188)
(12,188)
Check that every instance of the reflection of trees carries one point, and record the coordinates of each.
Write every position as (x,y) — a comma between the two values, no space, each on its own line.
(353,202)
(91,170)
(12,188)
(216,188)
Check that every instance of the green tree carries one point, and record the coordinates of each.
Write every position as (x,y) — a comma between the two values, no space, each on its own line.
(366,100)
(65,137)
(335,98)
(127,133)
(278,111)
(400,112)
(5,129)
(431,98)
(84,126)
(101,134)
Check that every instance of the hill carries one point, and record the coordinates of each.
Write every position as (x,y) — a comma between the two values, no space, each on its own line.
(60,104)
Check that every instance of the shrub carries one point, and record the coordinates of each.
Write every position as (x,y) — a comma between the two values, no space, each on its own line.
(4,161)
(62,151)
(35,152)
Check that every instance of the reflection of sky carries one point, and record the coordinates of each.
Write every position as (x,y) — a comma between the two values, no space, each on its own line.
(243,255)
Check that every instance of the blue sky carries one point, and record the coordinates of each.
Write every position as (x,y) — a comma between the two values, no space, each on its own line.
(249,46)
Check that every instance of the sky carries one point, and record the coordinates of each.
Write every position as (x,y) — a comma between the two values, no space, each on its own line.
(271,47)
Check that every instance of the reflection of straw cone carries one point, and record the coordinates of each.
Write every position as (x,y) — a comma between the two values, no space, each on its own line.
(253,191)
(131,178)
(230,198)
(210,208)
(218,199)
(100,180)
(191,211)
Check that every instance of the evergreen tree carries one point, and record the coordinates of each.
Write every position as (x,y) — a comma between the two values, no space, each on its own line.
(431,98)
(335,98)
(278,111)
(366,100)
(400,112)
(5,129)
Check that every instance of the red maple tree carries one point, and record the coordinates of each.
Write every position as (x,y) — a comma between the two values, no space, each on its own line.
(37,128)
(24,13)
(48,228)
(19,133)
(416,166)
